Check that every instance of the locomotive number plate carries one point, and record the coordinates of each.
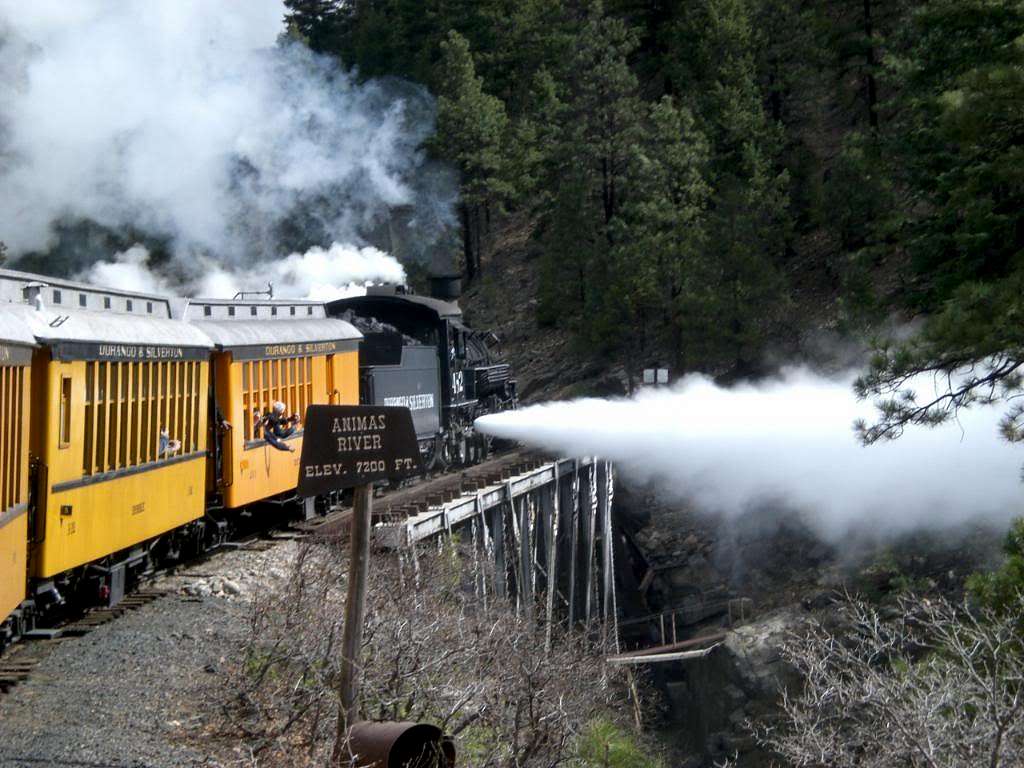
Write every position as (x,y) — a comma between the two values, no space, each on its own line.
(348,445)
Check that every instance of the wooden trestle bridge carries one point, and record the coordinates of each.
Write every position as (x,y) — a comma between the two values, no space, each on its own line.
(547,528)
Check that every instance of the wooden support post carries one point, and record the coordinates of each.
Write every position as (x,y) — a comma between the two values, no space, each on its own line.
(604,520)
(574,530)
(483,520)
(477,573)
(538,564)
(355,613)
(608,491)
(591,544)
(552,541)
(498,542)
(525,557)
(604,502)
(541,533)
(485,544)
(514,550)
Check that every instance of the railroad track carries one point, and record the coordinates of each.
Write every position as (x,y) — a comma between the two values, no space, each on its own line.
(19,661)
(422,494)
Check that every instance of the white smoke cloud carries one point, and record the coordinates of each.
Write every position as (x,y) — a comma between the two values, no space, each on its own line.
(789,441)
(129,271)
(184,119)
(321,274)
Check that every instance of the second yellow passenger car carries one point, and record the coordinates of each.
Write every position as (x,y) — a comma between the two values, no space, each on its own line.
(267,352)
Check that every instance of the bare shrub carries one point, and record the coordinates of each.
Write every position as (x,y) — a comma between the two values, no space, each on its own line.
(930,684)
(433,652)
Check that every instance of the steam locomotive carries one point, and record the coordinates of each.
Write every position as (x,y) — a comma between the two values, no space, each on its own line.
(418,353)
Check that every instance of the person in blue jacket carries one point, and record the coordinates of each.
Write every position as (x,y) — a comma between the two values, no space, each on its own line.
(277,426)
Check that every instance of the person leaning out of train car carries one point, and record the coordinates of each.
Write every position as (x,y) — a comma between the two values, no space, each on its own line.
(168,447)
(277,426)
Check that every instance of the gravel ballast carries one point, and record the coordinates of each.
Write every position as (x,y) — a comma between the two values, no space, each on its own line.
(130,692)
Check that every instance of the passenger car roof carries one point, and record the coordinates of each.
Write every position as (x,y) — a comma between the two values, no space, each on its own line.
(226,334)
(14,325)
(59,324)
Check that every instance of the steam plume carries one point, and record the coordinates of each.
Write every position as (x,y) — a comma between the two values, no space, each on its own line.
(129,271)
(791,442)
(321,274)
(184,121)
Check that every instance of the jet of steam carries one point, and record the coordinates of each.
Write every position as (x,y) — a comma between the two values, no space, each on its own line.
(184,120)
(787,442)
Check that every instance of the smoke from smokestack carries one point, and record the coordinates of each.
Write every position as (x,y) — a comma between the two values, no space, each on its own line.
(787,442)
(185,121)
(319,273)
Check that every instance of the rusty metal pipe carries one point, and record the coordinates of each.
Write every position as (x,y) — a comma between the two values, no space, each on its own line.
(400,745)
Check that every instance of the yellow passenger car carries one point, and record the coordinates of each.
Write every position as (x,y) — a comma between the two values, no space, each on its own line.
(268,352)
(16,345)
(118,430)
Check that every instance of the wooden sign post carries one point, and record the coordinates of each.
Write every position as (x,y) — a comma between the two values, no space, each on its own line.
(347,446)
(355,607)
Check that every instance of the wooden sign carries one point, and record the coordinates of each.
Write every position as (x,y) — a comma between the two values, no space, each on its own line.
(349,445)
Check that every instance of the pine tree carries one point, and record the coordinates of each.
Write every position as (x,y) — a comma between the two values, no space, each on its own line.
(1001,589)
(533,144)
(317,22)
(855,39)
(604,109)
(571,244)
(600,128)
(661,268)
(471,127)
(957,150)
(749,224)
(526,37)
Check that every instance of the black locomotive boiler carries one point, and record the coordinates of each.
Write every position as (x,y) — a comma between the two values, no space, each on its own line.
(418,353)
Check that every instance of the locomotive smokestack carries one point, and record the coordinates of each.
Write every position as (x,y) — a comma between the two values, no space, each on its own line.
(446,287)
